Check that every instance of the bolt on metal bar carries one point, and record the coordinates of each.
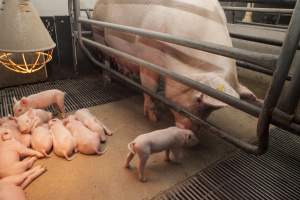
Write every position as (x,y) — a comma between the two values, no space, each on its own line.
(235,102)
(283,65)
(265,60)
(237,142)
(264,10)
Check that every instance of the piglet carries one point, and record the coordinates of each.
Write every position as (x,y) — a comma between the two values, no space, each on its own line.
(32,118)
(92,123)
(10,126)
(87,141)
(170,140)
(41,139)
(12,187)
(11,153)
(63,142)
(40,100)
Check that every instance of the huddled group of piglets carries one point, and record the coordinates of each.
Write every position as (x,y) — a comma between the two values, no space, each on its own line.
(33,127)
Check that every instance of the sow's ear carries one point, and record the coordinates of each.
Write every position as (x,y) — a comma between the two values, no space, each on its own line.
(219,84)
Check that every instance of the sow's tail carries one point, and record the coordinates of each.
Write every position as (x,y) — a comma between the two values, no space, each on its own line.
(131,147)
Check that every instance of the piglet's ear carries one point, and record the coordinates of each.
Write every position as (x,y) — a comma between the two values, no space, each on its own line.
(24,101)
(15,100)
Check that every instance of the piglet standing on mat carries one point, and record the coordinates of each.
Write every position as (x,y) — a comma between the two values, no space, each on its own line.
(93,123)
(40,100)
(170,140)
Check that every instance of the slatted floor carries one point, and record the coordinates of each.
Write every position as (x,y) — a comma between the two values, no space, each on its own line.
(80,93)
(274,175)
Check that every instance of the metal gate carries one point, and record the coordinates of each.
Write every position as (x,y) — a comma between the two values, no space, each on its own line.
(283,116)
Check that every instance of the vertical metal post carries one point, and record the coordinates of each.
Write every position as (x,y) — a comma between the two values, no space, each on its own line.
(76,4)
(74,49)
(290,100)
(106,75)
(283,64)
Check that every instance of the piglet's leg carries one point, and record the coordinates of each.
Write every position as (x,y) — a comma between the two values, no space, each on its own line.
(141,166)
(17,179)
(61,104)
(36,172)
(177,155)
(128,159)
(107,131)
(25,164)
(24,152)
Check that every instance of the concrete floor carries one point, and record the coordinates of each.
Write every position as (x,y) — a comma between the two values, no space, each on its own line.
(103,177)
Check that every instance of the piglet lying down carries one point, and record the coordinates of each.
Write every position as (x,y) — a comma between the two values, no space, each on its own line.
(64,145)
(41,139)
(93,123)
(11,153)
(32,118)
(11,187)
(8,125)
(170,140)
(87,141)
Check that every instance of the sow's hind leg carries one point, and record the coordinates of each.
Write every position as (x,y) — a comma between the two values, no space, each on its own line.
(149,80)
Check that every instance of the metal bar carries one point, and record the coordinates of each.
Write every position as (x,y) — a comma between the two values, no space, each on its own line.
(266,60)
(258,69)
(273,2)
(290,100)
(74,50)
(86,9)
(239,143)
(262,24)
(235,102)
(77,16)
(264,10)
(282,68)
(269,41)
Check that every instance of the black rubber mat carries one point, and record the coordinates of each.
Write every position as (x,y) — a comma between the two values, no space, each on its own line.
(80,93)
(274,175)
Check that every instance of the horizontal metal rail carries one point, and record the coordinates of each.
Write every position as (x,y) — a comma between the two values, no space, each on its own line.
(264,10)
(256,68)
(271,2)
(264,40)
(265,60)
(262,24)
(230,100)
